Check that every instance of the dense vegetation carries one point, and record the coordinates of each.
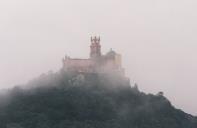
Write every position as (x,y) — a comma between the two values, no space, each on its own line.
(66,100)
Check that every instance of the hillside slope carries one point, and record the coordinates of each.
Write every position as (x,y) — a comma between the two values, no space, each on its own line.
(63,100)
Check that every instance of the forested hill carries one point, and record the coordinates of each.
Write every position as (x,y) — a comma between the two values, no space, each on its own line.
(65,100)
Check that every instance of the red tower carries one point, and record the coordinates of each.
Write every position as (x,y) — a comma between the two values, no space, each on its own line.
(95,47)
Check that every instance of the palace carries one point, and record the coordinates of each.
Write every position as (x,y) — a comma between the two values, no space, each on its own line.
(111,62)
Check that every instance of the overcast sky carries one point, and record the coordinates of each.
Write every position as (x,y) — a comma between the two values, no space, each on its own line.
(157,39)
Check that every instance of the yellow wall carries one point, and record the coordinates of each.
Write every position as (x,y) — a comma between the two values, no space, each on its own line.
(118,60)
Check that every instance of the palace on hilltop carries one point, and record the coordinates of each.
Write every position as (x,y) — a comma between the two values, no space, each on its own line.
(111,62)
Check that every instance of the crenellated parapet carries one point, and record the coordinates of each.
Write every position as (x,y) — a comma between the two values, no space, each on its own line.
(95,40)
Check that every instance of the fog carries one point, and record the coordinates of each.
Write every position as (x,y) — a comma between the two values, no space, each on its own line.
(156,38)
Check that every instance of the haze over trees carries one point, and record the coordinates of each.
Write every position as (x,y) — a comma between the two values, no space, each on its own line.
(73,100)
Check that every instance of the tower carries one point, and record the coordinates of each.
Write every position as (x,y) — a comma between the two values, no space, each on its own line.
(95,47)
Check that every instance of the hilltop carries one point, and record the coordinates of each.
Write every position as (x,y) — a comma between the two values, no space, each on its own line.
(73,100)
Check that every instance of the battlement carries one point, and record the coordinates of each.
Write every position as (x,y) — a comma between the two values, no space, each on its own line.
(95,40)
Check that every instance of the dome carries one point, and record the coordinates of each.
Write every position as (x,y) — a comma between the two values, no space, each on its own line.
(111,53)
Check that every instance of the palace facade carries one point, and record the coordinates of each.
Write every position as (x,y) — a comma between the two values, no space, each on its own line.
(111,62)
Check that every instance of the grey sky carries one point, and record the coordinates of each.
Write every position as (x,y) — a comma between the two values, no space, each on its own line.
(157,39)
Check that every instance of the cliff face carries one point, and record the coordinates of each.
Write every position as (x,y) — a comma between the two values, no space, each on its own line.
(65,100)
